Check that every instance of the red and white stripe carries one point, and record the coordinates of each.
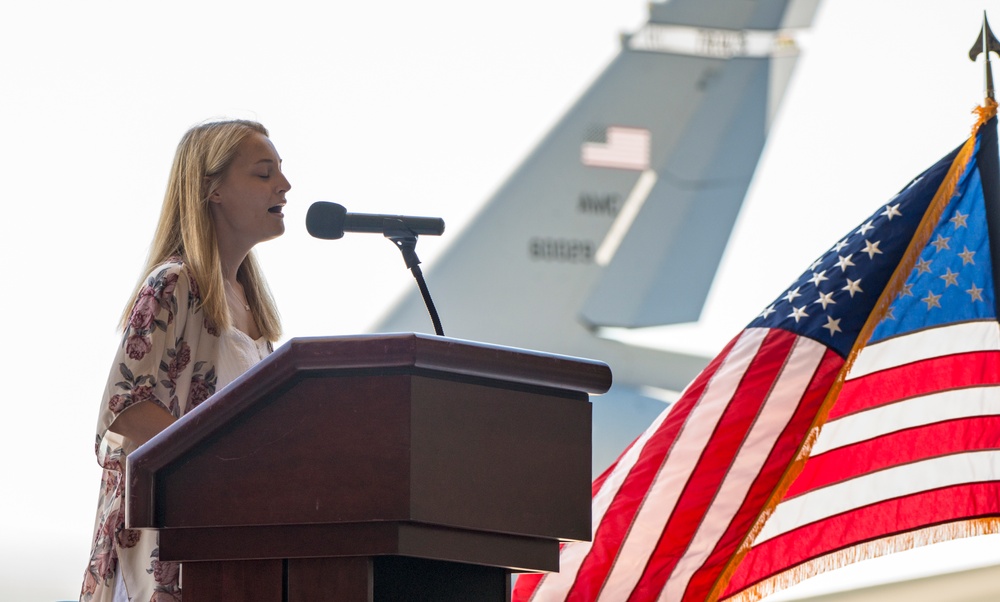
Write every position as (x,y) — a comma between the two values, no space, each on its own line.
(913,441)
(670,514)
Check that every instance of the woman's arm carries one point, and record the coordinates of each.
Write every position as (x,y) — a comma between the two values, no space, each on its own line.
(140,399)
(140,422)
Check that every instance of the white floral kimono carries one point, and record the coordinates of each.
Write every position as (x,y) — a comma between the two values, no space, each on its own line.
(169,355)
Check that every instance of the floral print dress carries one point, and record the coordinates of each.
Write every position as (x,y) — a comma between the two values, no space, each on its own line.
(168,356)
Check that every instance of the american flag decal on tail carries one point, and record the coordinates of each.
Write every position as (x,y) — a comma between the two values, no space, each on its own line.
(624,148)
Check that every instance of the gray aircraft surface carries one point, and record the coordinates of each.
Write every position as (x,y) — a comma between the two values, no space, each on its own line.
(619,218)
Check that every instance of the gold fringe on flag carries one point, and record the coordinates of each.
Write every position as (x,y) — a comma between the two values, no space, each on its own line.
(867,551)
(920,239)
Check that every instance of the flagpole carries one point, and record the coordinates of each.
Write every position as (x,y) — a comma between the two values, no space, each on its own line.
(988,160)
(986,43)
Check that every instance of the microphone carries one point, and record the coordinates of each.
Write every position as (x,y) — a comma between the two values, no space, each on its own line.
(330,221)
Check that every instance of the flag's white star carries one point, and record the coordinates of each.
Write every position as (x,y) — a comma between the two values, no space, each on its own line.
(767,311)
(825,299)
(853,286)
(889,315)
(959,220)
(840,245)
(865,227)
(892,211)
(872,249)
(793,294)
(941,242)
(923,266)
(967,256)
(832,325)
(818,277)
(975,292)
(949,278)
(844,262)
(798,313)
(932,300)
(815,263)
(906,291)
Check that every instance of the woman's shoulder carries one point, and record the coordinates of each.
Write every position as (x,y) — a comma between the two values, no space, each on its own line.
(174,264)
(165,278)
(168,294)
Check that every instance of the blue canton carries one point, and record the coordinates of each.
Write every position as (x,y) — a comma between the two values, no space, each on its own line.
(831,300)
(953,279)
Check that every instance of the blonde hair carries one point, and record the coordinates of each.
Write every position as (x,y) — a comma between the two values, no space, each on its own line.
(186,230)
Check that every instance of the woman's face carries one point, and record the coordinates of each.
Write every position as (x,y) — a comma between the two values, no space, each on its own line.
(247,204)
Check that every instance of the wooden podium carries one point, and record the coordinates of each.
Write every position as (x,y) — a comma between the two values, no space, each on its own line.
(380,467)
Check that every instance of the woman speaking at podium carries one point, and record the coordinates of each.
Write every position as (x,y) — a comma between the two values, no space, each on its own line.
(200,316)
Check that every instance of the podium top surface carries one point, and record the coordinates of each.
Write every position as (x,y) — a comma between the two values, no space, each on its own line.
(447,355)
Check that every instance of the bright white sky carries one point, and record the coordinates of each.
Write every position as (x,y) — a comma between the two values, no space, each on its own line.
(394,107)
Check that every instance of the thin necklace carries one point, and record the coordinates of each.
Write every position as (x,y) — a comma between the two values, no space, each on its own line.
(246,305)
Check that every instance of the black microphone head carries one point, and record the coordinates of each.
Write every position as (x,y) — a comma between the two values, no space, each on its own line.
(326,220)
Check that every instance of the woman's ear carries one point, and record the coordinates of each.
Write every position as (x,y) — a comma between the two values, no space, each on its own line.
(207,192)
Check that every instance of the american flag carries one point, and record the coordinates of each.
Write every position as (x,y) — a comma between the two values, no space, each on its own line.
(623,148)
(891,339)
